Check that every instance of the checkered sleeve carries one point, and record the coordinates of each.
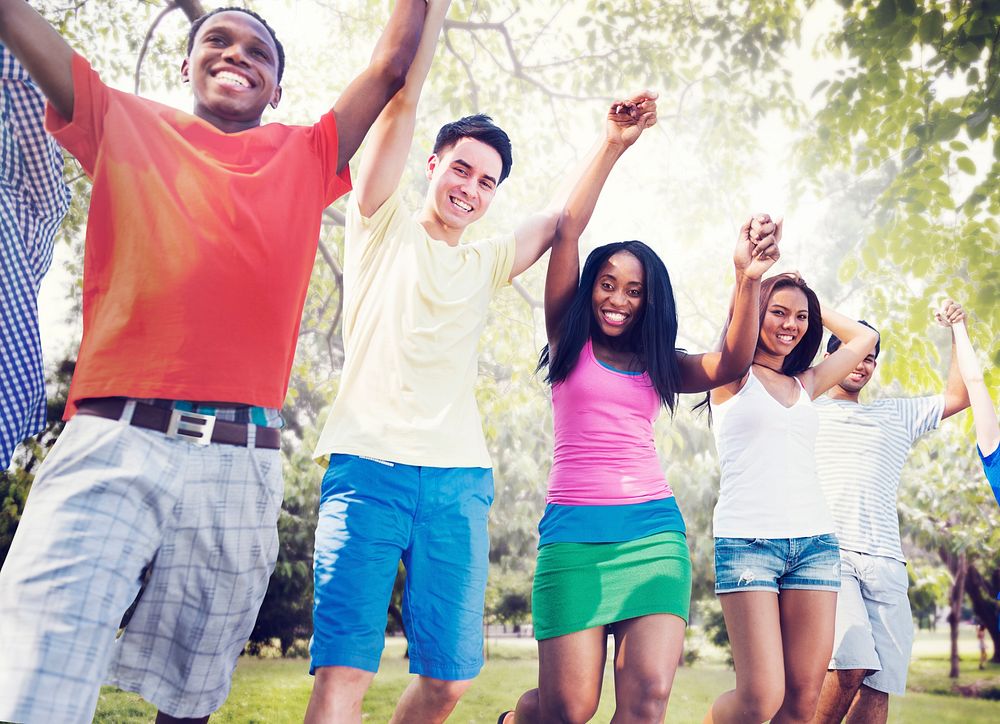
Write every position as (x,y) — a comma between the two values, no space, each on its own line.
(35,169)
(33,200)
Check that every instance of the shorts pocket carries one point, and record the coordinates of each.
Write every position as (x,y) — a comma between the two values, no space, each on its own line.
(737,543)
(827,540)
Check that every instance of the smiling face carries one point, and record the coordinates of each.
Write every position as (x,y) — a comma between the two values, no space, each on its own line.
(618,294)
(860,376)
(463,181)
(785,322)
(233,71)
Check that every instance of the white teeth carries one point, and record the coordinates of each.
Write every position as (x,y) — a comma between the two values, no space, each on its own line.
(461,204)
(232,79)
(614,316)
(785,337)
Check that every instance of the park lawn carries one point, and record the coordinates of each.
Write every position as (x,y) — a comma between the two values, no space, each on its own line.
(277,690)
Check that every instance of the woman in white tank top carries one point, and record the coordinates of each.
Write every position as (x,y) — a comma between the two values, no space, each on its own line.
(777,562)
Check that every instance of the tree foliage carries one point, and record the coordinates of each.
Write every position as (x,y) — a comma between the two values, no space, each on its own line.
(916,109)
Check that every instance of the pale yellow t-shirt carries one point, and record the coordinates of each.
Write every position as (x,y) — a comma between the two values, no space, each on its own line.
(414,308)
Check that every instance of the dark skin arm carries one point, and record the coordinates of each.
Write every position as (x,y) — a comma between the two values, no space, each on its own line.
(756,251)
(42,51)
(360,104)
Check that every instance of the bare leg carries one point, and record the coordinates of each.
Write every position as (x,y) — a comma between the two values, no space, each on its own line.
(647,650)
(807,619)
(839,689)
(754,627)
(428,701)
(869,707)
(570,673)
(337,694)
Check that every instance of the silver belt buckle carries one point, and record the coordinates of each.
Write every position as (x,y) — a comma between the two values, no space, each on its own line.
(191,426)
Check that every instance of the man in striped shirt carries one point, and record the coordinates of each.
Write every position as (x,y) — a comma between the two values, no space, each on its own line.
(33,200)
(860,452)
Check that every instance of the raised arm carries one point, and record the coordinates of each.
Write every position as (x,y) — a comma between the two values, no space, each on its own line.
(626,120)
(858,341)
(956,396)
(536,233)
(42,51)
(756,251)
(389,141)
(964,357)
(367,95)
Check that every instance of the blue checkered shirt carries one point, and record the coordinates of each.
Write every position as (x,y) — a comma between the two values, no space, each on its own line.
(33,200)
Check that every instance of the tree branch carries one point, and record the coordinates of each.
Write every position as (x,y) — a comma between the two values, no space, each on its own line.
(525,294)
(193,9)
(517,68)
(466,67)
(171,6)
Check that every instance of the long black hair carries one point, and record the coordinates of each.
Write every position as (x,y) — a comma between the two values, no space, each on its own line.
(653,336)
(800,358)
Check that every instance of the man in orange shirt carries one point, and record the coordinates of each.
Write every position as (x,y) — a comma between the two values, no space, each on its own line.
(201,237)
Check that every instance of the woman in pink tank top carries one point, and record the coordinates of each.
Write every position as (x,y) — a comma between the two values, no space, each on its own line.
(777,560)
(612,552)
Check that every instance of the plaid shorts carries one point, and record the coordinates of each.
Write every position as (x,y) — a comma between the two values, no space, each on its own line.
(111,501)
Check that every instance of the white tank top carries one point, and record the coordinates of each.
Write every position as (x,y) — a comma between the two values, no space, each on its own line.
(769,487)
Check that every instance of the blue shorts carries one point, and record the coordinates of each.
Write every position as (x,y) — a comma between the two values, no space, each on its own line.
(374,513)
(772,564)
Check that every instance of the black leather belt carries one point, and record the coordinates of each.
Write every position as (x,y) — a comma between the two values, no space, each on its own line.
(191,426)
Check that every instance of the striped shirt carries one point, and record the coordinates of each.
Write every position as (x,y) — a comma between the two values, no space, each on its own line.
(860,452)
(33,200)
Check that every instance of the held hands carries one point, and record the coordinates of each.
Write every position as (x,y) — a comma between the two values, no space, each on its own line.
(757,247)
(949,313)
(627,119)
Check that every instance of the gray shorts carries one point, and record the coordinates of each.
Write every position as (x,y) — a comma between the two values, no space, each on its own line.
(110,500)
(874,624)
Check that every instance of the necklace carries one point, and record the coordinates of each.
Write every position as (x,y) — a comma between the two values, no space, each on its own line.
(768,368)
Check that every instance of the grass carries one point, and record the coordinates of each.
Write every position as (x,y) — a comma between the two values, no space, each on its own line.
(277,690)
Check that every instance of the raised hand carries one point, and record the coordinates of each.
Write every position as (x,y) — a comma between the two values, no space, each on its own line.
(757,246)
(627,119)
(950,312)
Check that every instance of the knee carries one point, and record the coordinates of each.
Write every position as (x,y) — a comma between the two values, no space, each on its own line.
(647,698)
(801,702)
(850,680)
(762,703)
(570,709)
(444,694)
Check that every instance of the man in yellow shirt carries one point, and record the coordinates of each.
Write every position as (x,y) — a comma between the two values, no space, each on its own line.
(408,472)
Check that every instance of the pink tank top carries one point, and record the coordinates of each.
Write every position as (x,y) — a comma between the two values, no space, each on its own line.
(604,449)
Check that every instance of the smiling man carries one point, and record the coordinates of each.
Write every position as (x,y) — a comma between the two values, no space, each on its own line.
(408,471)
(195,274)
(860,452)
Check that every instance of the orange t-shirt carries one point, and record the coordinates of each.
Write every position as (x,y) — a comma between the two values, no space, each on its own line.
(199,246)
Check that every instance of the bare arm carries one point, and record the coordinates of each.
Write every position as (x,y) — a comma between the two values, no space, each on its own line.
(367,95)
(625,123)
(956,396)
(858,341)
(983,410)
(389,141)
(42,51)
(756,251)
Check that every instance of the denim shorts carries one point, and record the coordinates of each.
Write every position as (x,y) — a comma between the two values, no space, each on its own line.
(772,564)
(374,514)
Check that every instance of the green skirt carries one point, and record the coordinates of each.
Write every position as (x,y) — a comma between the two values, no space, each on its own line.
(582,585)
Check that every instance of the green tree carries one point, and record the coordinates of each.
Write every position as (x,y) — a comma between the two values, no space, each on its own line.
(915,116)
